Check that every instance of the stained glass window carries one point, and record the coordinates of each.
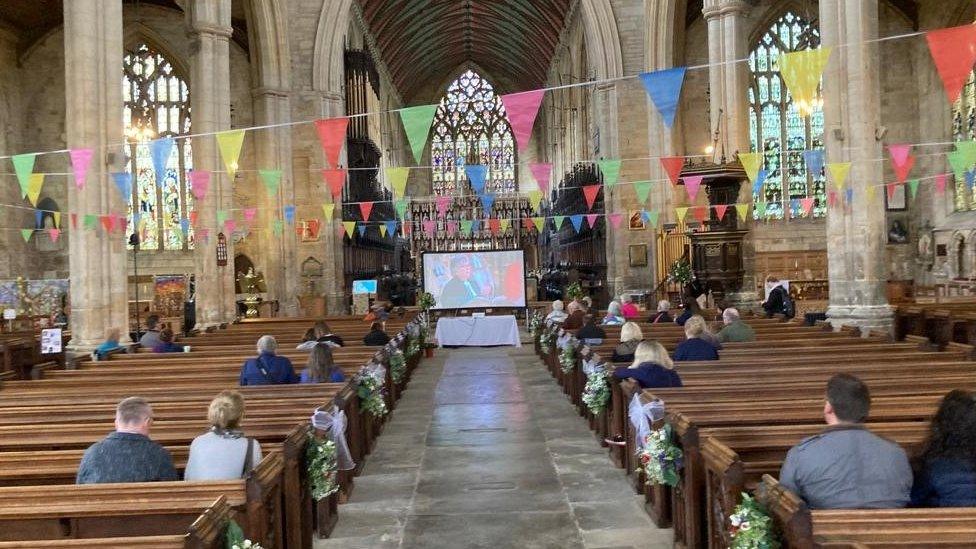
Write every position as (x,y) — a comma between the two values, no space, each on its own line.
(471,127)
(156,103)
(777,128)
(964,128)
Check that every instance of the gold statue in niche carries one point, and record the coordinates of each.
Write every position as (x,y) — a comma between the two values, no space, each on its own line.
(252,284)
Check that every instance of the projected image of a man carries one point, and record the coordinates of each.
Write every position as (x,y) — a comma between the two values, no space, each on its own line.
(461,289)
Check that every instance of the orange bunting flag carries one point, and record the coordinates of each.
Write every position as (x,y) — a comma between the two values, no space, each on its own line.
(527,223)
(720,211)
(336,179)
(891,188)
(494,225)
(332,135)
(365,208)
(701,213)
(590,192)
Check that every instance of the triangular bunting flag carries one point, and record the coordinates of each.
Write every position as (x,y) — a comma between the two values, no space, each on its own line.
(591,219)
(57,219)
(362,230)
(814,161)
(589,193)
(34,187)
(80,161)
(328,210)
(230,226)
(760,208)
(89,220)
(557,221)
(831,198)
(891,188)
(968,150)
(397,178)
(123,182)
(442,203)
(487,200)
(221,217)
(193,217)
(871,192)
(24,167)
(26,234)
(522,109)
(954,52)
(74,221)
(692,184)
(849,195)
(807,205)
(615,219)
(742,210)
(54,234)
(673,166)
(700,213)
(391,226)
(539,223)
(651,217)
(913,186)
(452,227)
(970,180)
(401,207)
(249,214)
(681,213)
(527,223)
(577,221)
(720,211)
(184,226)
(476,175)
(901,160)
(416,124)
(271,179)
(757,185)
(407,228)
(960,164)
(494,225)
(289,214)
(230,143)
(642,189)
(161,150)
(838,172)
(428,225)
(503,225)
(336,179)
(383,230)
(199,183)
(611,172)
(349,227)
(541,172)
(365,208)
(751,162)
(332,135)
(535,198)
(801,70)
(664,88)
(940,183)
(108,222)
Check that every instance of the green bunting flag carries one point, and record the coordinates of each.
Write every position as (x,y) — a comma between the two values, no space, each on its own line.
(26,233)
(761,209)
(466,226)
(271,178)
(23,166)
(278,227)
(221,217)
(558,220)
(642,188)
(968,150)
(416,123)
(913,185)
(960,164)
(89,221)
(611,172)
(401,207)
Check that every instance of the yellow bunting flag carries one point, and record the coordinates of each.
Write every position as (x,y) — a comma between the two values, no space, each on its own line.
(681,214)
(349,226)
(328,210)
(838,172)
(34,185)
(230,143)
(742,210)
(503,224)
(383,230)
(57,219)
(539,222)
(871,192)
(802,70)
(397,178)
(535,198)
(751,162)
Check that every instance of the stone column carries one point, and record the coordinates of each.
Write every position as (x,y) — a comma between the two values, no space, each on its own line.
(208,23)
(92,66)
(852,115)
(331,105)
(273,146)
(729,114)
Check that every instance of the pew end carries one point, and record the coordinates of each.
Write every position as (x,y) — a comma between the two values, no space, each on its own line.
(788,511)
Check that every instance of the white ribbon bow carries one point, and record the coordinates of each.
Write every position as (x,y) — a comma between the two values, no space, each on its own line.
(592,366)
(564,340)
(334,425)
(642,415)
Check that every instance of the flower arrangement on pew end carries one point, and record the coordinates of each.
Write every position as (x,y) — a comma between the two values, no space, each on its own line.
(680,272)
(545,341)
(567,358)
(398,365)
(596,392)
(750,526)
(425,300)
(535,325)
(322,466)
(369,387)
(660,458)
(575,291)
(235,537)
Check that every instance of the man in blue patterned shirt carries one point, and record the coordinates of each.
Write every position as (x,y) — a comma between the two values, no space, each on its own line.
(127,455)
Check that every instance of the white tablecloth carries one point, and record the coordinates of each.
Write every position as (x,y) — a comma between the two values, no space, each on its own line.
(476,331)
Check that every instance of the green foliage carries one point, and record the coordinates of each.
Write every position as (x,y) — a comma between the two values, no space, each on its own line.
(322,467)
(574,291)
(398,366)
(750,526)
(567,358)
(660,458)
(680,272)
(369,387)
(425,300)
(596,393)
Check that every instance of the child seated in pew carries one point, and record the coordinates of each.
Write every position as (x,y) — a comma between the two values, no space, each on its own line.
(945,473)
(700,343)
(652,367)
(321,367)
(166,344)
(127,454)
(376,336)
(110,344)
(847,466)
(267,368)
(223,453)
(630,337)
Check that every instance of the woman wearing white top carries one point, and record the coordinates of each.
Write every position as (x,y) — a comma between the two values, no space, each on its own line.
(558,314)
(223,453)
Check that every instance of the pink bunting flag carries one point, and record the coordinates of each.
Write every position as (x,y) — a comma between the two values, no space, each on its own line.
(673,165)
(80,161)
(336,179)
(806,204)
(590,192)
(591,219)
(230,226)
(442,203)
(199,183)
(542,173)
(332,135)
(940,183)
(365,208)
(429,226)
(720,211)
(522,109)
(832,198)
(615,219)
(494,225)
(452,227)
(692,184)
(249,214)
(902,160)
(204,234)
(954,52)
(54,233)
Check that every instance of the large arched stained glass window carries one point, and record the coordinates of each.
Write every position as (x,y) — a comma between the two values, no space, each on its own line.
(156,103)
(777,127)
(963,129)
(471,127)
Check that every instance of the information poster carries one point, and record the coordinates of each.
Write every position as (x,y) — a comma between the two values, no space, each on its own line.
(50,341)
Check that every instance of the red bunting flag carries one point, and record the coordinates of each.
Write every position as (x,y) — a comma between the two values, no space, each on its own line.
(807,205)
(365,208)
(193,217)
(700,213)
(902,160)
(890,187)
(522,109)
(74,221)
(108,222)
(940,183)
(720,211)
(407,228)
(527,223)
(590,192)
(831,198)
(954,52)
(332,135)
(494,224)
(673,165)
(335,179)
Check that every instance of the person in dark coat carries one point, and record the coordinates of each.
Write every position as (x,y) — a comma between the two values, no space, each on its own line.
(376,336)
(630,337)
(776,300)
(663,314)
(692,308)
(696,347)
(127,454)
(166,344)
(652,367)
(461,289)
(267,368)
(945,472)
(575,320)
(590,333)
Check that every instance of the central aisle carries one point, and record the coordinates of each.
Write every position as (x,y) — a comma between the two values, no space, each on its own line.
(484,450)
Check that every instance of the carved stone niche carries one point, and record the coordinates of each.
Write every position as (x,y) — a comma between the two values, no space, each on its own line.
(312,272)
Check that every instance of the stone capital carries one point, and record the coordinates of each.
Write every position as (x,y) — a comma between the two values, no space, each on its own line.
(199,28)
(262,92)
(719,8)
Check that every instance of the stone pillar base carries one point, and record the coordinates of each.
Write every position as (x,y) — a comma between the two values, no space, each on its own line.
(865,317)
(336,304)
(745,302)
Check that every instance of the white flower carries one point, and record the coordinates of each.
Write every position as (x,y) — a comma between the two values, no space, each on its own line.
(735,520)
(745,526)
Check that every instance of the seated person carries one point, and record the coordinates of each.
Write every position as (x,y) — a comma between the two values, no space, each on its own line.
(574,306)
(267,368)
(696,346)
(575,319)
(376,336)
(847,466)
(627,307)
(776,301)
(692,308)
(379,312)
(166,344)
(652,367)
(735,329)
(663,314)
(557,315)
(614,316)
(945,475)
(110,344)
(320,334)
(127,454)
(630,337)
(223,453)
(590,333)
(150,339)
(321,367)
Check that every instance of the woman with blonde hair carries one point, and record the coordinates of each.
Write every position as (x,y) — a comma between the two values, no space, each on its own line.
(223,453)
(697,346)
(652,367)
(630,337)
(322,367)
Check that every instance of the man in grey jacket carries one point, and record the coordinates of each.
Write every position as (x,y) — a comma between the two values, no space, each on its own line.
(847,466)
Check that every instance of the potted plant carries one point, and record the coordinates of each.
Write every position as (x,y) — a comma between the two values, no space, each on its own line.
(425,300)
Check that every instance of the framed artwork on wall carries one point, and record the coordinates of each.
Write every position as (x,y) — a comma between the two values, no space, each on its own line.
(636,221)
(638,255)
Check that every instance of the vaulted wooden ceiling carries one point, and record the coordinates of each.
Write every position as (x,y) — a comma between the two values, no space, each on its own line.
(422,40)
